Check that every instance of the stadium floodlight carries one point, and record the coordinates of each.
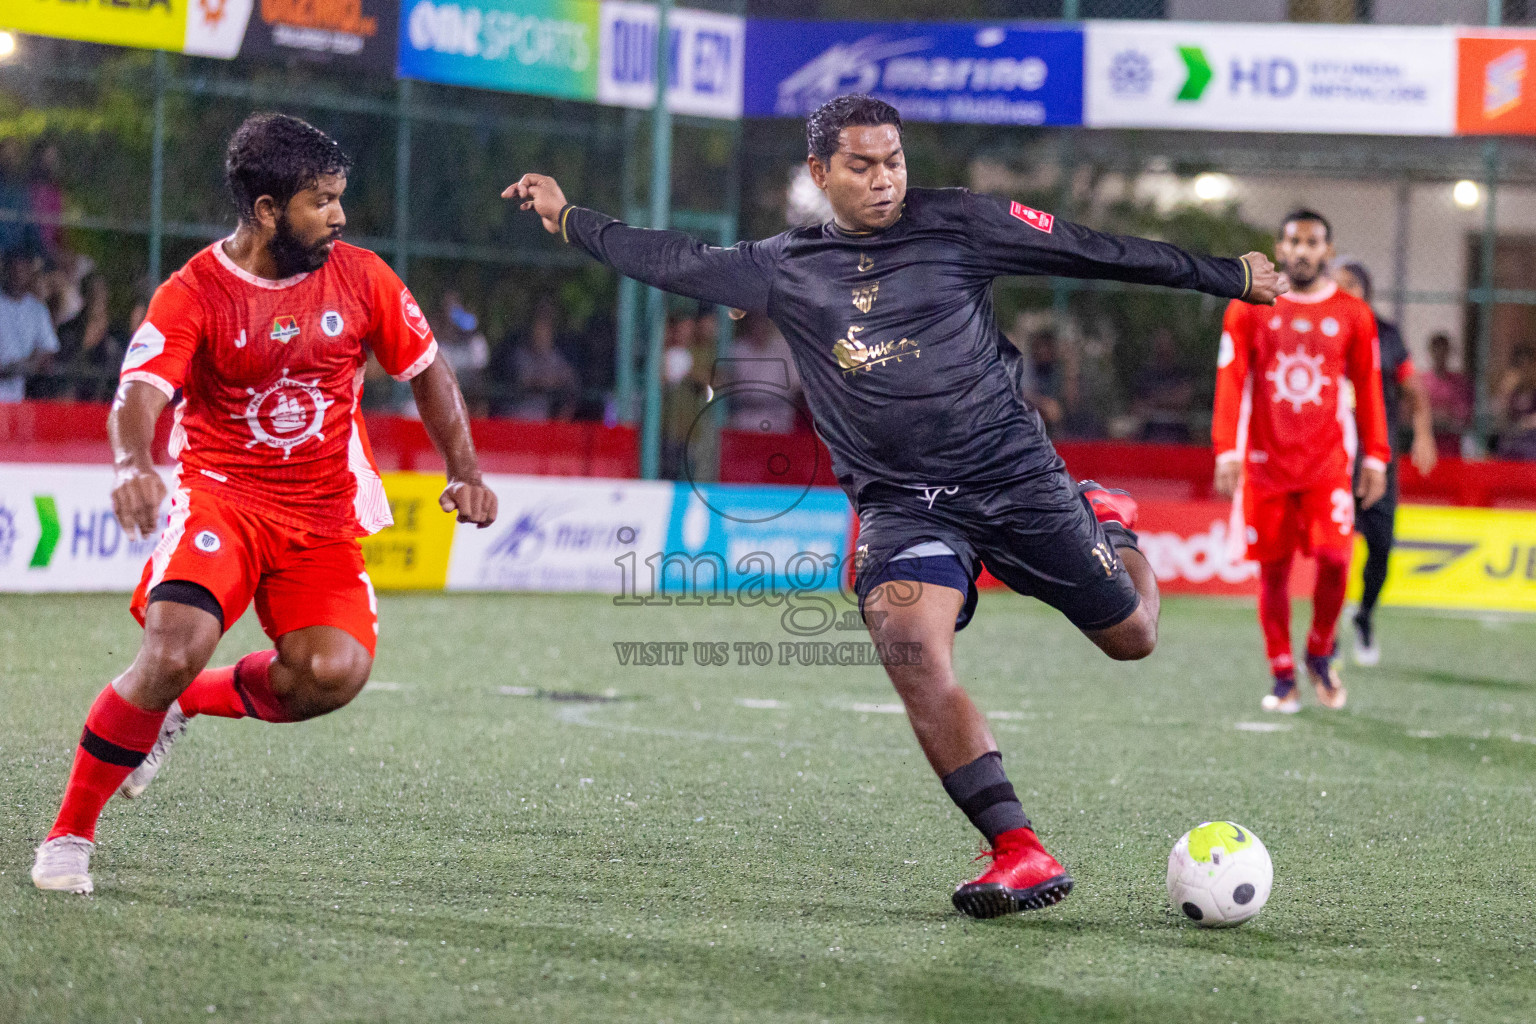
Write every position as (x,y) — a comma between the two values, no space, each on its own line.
(1466,194)
(1213,188)
(7,44)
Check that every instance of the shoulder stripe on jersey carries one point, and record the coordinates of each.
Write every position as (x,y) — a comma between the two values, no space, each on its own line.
(160,383)
(248,277)
(420,364)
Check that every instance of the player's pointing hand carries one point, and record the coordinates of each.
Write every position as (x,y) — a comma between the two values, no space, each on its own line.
(475,503)
(541,194)
(1268,283)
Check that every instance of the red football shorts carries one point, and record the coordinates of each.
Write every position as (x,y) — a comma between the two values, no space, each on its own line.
(1280,523)
(297,579)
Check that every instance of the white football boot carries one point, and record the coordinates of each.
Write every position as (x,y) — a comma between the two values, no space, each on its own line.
(1367,652)
(171,730)
(1283,699)
(64,865)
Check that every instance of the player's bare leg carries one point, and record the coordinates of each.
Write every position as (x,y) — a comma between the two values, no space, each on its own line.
(122,727)
(954,737)
(1135,637)
(318,670)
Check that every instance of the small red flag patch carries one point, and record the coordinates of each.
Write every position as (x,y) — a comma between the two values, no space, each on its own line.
(1034,218)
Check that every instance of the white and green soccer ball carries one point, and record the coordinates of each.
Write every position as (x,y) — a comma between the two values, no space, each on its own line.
(1219,874)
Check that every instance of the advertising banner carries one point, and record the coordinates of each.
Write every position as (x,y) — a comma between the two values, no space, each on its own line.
(547,47)
(779,537)
(1368,79)
(554,533)
(1472,558)
(197,27)
(1494,86)
(1002,73)
(705,59)
(57,531)
(354,33)
(412,554)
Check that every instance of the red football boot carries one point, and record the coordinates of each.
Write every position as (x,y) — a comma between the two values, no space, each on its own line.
(1110,504)
(1022,877)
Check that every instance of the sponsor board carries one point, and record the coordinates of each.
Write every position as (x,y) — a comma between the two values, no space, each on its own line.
(58,533)
(786,538)
(1378,80)
(998,73)
(554,533)
(359,34)
(1467,558)
(413,553)
(1494,83)
(705,57)
(206,28)
(547,47)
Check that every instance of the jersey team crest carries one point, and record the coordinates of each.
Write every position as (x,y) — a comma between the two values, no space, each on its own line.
(286,413)
(1298,378)
(284,329)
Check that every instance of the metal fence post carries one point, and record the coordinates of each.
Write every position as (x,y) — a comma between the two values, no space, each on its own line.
(402,260)
(157,174)
(661,202)
(627,311)
(1483,404)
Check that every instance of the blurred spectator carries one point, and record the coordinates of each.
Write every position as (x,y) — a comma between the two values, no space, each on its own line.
(1050,383)
(460,342)
(62,285)
(45,194)
(537,381)
(685,391)
(1450,399)
(764,384)
(89,354)
(27,341)
(15,203)
(1515,400)
(1163,392)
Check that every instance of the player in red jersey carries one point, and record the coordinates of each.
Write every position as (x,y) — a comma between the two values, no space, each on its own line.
(260,342)
(1287,431)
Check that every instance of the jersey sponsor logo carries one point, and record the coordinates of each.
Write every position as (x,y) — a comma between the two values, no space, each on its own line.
(1298,378)
(331,323)
(853,355)
(240,341)
(207,542)
(1301,325)
(864,298)
(931,494)
(284,329)
(147,343)
(865,263)
(285,414)
(1036,219)
(412,313)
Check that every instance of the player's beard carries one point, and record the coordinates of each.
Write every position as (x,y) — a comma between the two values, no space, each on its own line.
(292,256)
(1303,274)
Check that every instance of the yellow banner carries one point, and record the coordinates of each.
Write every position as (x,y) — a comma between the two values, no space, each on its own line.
(1473,558)
(150,24)
(412,554)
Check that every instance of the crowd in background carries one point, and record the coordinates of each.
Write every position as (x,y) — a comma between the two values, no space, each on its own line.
(59,340)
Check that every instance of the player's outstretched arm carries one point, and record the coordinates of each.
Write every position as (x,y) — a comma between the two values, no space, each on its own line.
(447,421)
(137,489)
(739,277)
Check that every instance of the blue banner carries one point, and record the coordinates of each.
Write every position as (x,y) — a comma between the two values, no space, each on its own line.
(792,537)
(979,73)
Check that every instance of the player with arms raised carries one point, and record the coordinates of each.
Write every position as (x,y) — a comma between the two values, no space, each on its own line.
(888,312)
(1286,434)
(260,342)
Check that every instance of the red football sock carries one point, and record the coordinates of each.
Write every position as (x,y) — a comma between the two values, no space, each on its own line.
(251,680)
(213,693)
(1275,614)
(1327,601)
(117,735)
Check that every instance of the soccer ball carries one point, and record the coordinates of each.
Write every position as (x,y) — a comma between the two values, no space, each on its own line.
(1219,874)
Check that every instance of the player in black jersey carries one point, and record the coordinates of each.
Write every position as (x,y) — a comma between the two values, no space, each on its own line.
(888,312)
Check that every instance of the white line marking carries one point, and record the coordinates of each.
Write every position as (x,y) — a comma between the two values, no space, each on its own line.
(878,709)
(518,691)
(377,684)
(760,703)
(1261,726)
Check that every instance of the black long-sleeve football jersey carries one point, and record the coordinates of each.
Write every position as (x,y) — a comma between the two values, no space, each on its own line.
(909,380)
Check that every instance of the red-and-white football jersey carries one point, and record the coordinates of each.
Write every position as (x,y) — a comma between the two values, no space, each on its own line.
(270,374)
(1282,405)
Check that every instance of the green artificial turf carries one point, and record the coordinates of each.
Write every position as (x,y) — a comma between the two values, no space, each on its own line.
(450,847)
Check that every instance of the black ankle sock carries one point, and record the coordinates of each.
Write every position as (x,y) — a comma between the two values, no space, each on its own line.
(981,789)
